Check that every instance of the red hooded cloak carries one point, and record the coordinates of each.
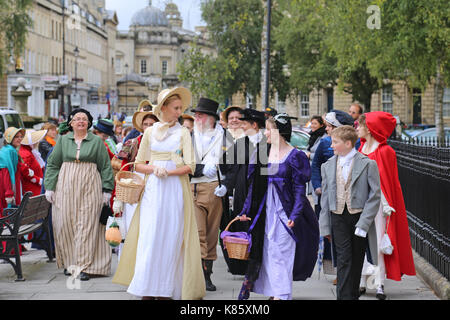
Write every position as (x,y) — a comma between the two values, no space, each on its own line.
(381,125)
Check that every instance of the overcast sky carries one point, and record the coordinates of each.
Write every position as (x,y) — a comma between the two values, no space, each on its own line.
(189,9)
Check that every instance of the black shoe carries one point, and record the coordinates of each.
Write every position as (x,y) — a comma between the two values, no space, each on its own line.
(67,273)
(84,276)
(380,294)
(362,290)
(209,285)
(207,270)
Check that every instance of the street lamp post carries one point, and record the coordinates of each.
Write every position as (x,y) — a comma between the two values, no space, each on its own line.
(126,87)
(76,53)
(266,80)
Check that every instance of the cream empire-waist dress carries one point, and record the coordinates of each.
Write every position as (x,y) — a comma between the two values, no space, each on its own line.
(161,255)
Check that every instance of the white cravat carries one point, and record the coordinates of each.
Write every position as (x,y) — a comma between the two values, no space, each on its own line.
(345,162)
(256,138)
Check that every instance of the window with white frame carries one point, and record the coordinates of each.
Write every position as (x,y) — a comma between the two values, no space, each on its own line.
(118,65)
(249,101)
(143,66)
(304,104)
(164,67)
(281,105)
(446,102)
(386,99)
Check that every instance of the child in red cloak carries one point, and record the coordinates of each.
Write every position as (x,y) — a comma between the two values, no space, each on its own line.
(374,129)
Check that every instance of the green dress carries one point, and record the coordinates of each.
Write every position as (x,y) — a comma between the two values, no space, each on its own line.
(79,181)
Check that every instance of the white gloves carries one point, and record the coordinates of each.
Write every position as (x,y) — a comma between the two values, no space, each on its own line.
(50,196)
(34,181)
(210,170)
(117,206)
(106,197)
(30,173)
(360,233)
(160,172)
(9,200)
(220,191)
(387,210)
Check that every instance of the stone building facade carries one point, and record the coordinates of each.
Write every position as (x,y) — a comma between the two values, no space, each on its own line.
(148,53)
(50,65)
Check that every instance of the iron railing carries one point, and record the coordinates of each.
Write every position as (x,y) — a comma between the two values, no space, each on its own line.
(424,173)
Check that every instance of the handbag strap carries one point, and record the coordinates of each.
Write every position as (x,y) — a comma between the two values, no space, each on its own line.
(387,224)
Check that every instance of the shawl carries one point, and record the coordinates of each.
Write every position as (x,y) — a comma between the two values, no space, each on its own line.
(9,160)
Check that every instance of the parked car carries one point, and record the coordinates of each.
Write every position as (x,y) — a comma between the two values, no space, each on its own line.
(9,118)
(299,139)
(432,133)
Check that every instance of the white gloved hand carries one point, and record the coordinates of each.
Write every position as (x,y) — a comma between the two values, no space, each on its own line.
(30,173)
(360,233)
(117,206)
(220,191)
(106,197)
(9,200)
(210,170)
(50,196)
(160,172)
(387,210)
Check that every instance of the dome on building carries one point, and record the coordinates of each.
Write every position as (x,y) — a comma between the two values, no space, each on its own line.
(149,16)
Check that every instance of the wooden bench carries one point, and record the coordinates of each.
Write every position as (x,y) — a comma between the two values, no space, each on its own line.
(31,215)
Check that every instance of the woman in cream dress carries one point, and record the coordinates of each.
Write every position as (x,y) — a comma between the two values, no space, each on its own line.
(161,255)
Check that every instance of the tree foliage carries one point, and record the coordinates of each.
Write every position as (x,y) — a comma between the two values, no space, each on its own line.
(14,24)
(235,27)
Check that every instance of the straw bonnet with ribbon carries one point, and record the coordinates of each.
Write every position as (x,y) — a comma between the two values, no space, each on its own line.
(145,103)
(31,137)
(11,132)
(138,118)
(160,128)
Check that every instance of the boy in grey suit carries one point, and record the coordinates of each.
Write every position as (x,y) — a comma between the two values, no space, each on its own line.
(350,201)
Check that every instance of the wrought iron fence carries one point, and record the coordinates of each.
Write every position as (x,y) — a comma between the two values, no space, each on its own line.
(424,173)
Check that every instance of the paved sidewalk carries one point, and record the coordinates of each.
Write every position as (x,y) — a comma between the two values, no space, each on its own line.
(45,282)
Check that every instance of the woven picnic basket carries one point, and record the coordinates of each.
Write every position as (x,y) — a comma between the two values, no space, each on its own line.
(129,192)
(237,248)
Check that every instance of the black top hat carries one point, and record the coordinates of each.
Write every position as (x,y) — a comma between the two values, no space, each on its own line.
(207,106)
(105,127)
(254,115)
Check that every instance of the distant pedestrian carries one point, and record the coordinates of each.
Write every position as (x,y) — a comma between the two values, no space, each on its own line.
(49,140)
(32,159)
(355,111)
(374,129)
(78,180)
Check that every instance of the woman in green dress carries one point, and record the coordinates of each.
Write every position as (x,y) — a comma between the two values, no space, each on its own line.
(78,180)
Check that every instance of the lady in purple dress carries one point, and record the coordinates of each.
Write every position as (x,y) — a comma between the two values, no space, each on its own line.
(291,236)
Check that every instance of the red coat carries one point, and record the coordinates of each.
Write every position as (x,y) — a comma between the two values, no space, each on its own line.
(30,162)
(6,191)
(381,125)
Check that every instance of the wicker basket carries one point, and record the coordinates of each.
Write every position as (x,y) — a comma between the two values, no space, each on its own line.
(116,163)
(129,192)
(237,248)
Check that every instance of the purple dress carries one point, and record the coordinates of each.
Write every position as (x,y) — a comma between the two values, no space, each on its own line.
(288,254)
